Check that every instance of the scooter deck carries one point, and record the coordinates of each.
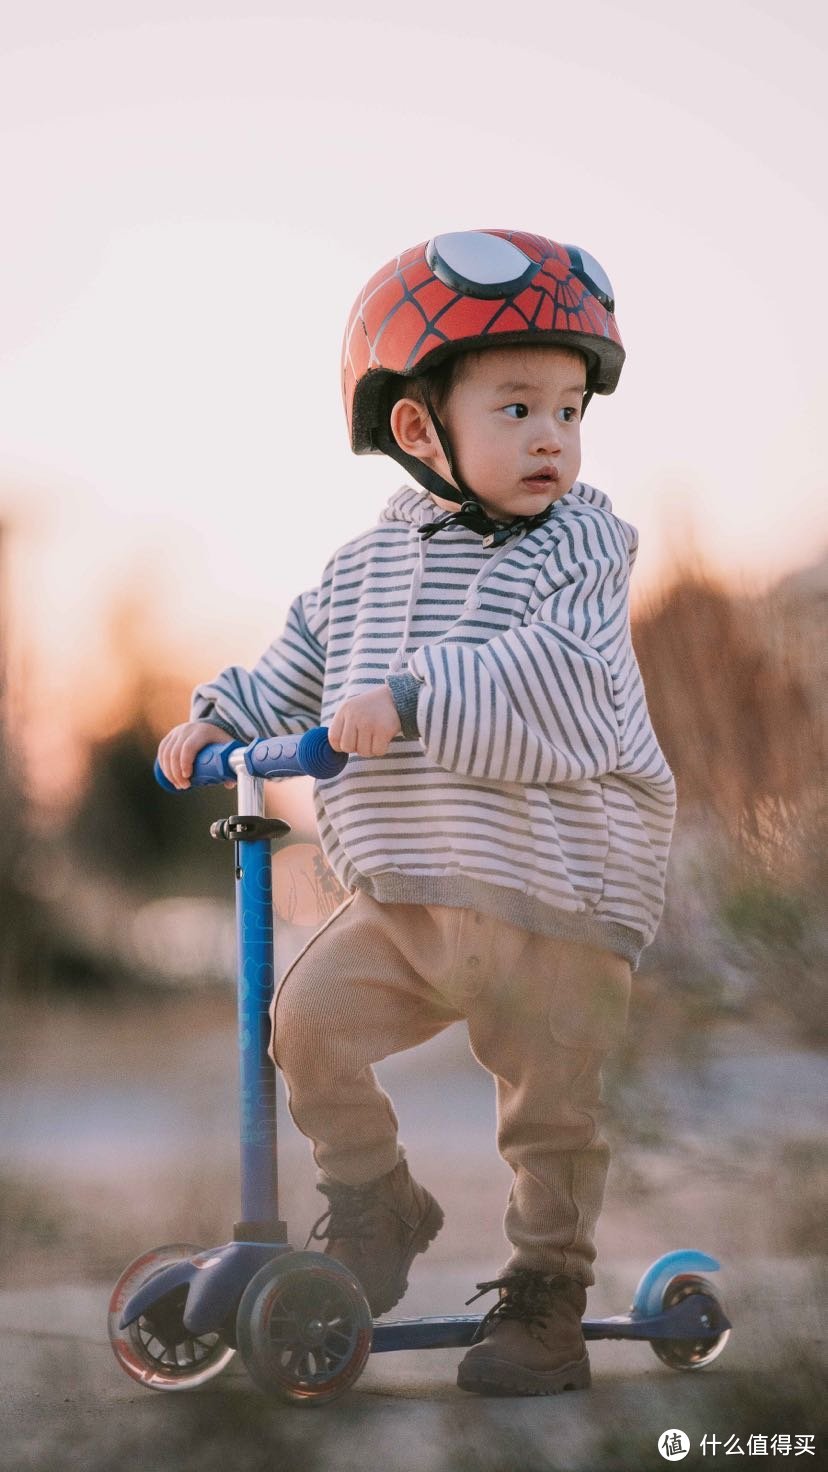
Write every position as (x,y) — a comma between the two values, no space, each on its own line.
(685,1321)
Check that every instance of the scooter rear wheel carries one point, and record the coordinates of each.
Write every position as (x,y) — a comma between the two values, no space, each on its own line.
(688,1354)
(157,1350)
(304,1328)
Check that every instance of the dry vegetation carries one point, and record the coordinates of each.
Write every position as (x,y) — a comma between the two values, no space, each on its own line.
(737,695)
(734,693)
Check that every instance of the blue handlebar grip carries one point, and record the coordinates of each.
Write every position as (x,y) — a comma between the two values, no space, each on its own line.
(293,756)
(318,757)
(211,766)
(161,779)
(309,755)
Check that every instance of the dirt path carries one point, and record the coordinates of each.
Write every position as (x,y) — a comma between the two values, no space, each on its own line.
(67,1404)
(118,1133)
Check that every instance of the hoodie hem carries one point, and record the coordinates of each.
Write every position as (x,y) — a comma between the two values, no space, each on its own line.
(459,892)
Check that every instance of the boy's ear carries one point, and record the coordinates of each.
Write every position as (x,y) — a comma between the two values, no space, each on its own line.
(412,428)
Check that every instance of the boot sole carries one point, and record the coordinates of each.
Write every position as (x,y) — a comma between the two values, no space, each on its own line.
(500,1377)
(425,1233)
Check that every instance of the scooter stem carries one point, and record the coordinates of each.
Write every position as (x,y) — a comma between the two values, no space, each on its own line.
(255,971)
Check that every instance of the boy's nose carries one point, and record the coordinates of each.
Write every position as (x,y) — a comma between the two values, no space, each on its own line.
(547,439)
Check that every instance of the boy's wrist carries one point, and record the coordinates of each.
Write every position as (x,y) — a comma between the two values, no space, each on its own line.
(405,690)
(217,721)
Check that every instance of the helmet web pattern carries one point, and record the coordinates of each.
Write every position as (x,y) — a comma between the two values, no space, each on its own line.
(405,313)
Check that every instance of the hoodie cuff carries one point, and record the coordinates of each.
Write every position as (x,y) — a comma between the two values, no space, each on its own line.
(405,690)
(219,721)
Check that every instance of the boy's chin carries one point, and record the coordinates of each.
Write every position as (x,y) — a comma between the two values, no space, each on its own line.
(524,503)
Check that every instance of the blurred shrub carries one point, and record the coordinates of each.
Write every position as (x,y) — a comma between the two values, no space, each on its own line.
(733,714)
(741,721)
(125,826)
(758,912)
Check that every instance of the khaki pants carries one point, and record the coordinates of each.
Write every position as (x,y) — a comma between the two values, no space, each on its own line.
(542,1014)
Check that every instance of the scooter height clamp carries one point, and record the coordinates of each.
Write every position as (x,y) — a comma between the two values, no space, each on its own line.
(238,829)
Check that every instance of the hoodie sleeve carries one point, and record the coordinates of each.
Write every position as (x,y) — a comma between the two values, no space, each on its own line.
(283,691)
(538,703)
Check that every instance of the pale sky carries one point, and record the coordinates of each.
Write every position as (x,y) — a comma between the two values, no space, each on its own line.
(193,194)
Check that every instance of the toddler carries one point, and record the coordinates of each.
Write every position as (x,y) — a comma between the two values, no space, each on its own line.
(503,824)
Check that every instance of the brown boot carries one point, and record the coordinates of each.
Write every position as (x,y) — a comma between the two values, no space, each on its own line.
(377,1230)
(531,1342)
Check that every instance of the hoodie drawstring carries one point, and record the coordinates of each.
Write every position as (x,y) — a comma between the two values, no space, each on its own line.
(471,601)
(413,594)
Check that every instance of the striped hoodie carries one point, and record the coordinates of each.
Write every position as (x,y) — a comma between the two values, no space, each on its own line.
(527,781)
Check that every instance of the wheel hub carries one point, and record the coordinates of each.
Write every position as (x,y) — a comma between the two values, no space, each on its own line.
(313,1333)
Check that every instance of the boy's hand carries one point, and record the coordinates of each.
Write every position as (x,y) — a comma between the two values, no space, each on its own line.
(180,747)
(366,724)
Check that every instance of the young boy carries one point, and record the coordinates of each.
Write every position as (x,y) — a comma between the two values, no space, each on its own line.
(503,824)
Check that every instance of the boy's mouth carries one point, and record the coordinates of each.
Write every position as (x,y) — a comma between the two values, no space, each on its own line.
(542,479)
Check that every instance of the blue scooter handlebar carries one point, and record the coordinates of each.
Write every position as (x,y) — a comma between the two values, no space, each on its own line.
(310,755)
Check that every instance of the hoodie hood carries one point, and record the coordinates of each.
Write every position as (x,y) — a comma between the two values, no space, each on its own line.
(412,506)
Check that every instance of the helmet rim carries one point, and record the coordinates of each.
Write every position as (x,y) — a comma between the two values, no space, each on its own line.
(371,396)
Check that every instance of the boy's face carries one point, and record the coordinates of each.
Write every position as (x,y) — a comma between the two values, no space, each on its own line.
(513,419)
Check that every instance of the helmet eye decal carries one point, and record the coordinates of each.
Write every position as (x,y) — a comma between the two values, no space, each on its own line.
(593,275)
(477,264)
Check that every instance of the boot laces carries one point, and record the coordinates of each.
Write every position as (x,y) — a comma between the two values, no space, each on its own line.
(525,1294)
(350,1214)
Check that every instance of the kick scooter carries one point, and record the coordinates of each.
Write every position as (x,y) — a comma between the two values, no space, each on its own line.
(300,1320)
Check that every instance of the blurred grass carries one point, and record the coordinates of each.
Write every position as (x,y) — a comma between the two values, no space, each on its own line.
(735,690)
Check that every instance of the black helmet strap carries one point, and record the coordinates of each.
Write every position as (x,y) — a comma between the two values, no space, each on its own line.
(442,434)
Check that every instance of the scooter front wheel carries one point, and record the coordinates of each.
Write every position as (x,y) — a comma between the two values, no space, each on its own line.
(688,1354)
(157,1349)
(304,1328)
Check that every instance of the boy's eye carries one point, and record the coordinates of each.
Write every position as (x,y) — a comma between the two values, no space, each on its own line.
(520,411)
(569,414)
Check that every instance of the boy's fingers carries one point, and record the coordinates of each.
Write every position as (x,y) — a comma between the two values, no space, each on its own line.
(333,733)
(165,753)
(344,734)
(180,774)
(190,748)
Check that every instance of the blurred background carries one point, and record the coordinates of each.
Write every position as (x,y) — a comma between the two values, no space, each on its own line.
(193,195)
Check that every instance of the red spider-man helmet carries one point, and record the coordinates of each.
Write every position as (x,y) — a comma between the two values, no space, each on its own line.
(469,290)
